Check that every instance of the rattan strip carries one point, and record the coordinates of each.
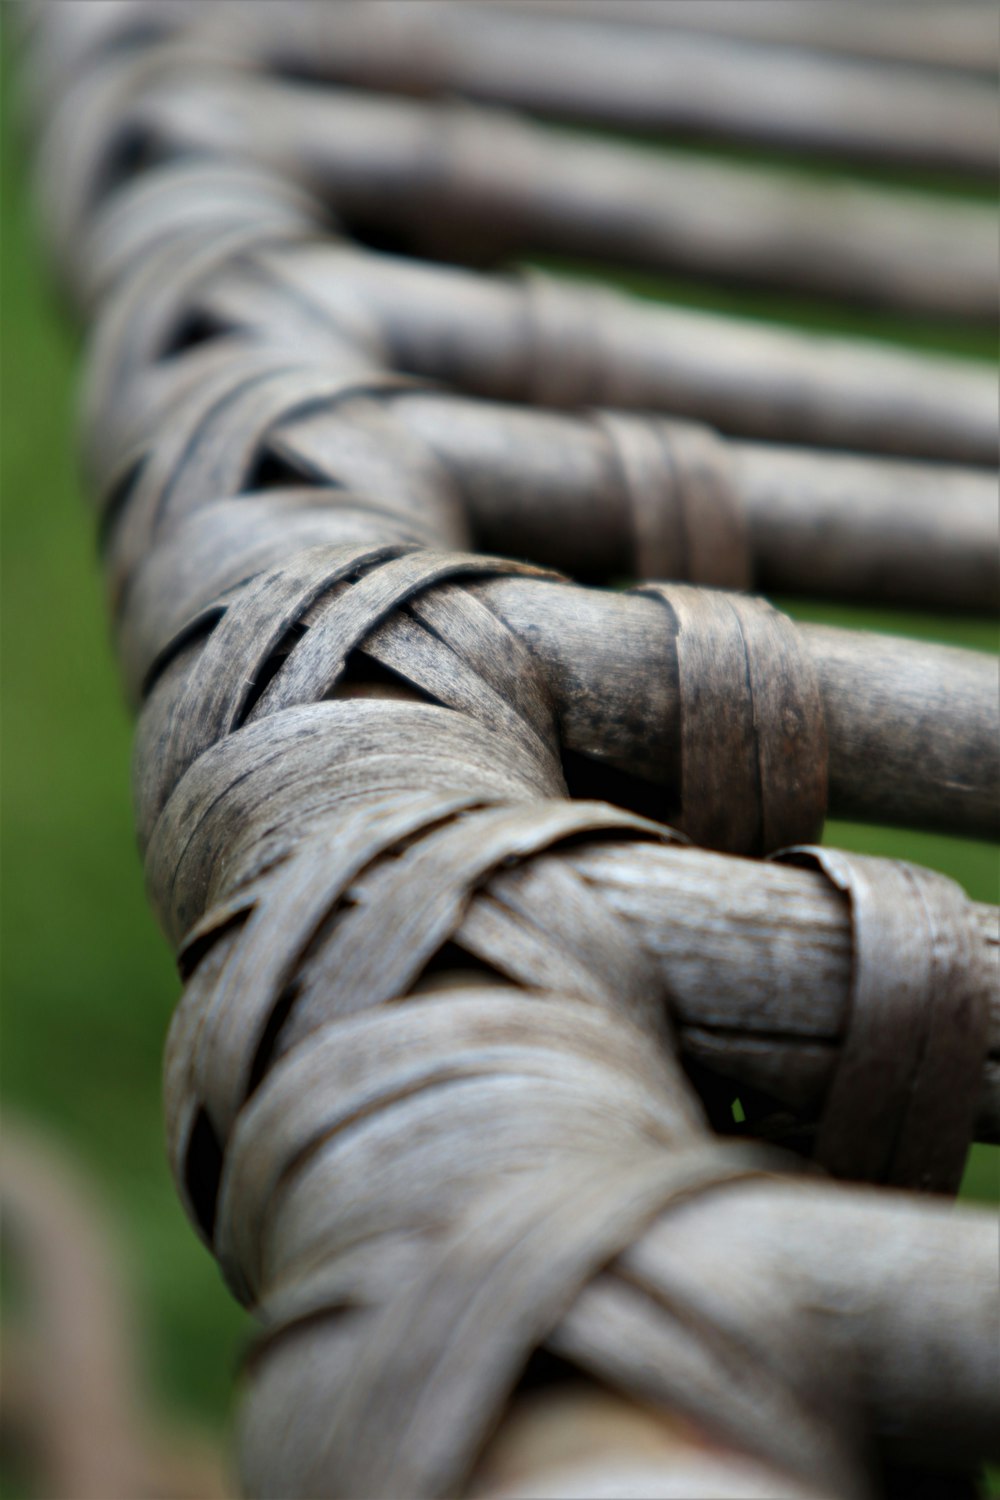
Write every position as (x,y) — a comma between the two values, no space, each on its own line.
(352,791)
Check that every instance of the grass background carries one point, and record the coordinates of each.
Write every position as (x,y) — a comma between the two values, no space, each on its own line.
(87,983)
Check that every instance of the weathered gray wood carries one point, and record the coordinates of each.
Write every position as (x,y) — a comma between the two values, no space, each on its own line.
(426,1087)
(533,338)
(565,65)
(464,184)
(960,35)
(911,730)
(607,496)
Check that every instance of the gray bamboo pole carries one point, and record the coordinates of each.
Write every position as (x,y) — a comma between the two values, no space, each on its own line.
(691,72)
(528,339)
(465,183)
(674,80)
(462,183)
(960,36)
(877,521)
(552,488)
(608,496)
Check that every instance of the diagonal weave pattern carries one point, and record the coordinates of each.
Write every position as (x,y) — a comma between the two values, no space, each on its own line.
(452,986)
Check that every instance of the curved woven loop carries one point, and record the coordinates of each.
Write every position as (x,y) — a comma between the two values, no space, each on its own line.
(197,427)
(522,1264)
(687,516)
(901,1105)
(243,804)
(222,546)
(545,1050)
(325,968)
(286,638)
(425,1099)
(241,414)
(419,1408)
(104,128)
(752,733)
(158,311)
(196,202)
(414,869)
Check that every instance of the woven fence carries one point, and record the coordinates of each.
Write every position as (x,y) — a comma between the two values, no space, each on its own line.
(478,790)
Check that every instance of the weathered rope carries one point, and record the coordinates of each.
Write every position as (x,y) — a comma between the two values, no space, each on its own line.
(425,1092)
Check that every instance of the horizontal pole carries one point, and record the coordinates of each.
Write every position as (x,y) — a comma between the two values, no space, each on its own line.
(464,184)
(533,339)
(673,80)
(959,36)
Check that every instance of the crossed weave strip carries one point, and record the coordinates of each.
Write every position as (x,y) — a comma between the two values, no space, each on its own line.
(424,1097)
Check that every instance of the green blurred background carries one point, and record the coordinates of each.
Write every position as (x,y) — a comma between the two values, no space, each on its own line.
(87,982)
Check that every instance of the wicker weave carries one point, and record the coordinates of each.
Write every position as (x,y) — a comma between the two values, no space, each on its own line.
(463,1016)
